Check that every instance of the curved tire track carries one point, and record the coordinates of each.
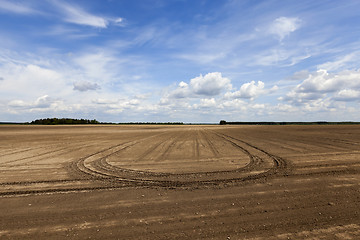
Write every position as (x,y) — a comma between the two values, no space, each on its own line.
(95,167)
(99,168)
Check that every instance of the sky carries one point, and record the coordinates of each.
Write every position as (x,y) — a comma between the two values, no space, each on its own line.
(192,61)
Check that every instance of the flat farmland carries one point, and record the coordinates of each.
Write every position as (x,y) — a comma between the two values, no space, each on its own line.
(179,182)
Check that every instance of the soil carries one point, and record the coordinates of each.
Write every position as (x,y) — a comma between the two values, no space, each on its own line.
(179,182)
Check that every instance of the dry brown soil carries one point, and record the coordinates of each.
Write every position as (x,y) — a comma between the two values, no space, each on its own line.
(179,182)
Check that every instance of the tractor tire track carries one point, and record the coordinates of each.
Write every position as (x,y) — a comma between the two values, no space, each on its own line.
(46,154)
(100,168)
(211,145)
(280,165)
(95,168)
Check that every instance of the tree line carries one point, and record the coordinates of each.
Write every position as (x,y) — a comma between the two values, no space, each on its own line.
(223,122)
(57,121)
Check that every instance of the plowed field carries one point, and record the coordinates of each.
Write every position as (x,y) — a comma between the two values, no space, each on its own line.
(180,182)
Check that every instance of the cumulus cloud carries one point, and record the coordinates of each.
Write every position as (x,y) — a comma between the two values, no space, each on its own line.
(182,91)
(342,86)
(41,102)
(322,81)
(18,104)
(347,95)
(247,90)
(85,86)
(283,26)
(206,103)
(118,104)
(250,90)
(301,97)
(210,85)
(234,104)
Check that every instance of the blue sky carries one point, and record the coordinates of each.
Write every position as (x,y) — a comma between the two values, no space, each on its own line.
(179,60)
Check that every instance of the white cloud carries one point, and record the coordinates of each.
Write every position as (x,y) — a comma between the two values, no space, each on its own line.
(348,61)
(41,102)
(182,91)
(18,104)
(85,86)
(97,66)
(300,97)
(76,15)
(283,26)
(29,80)
(70,13)
(103,101)
(247,90)
(321,85)
(69,32)
(318,105)
(119,20)
(183,84)
(210,85)
(15,7)
(112,106)
(250,90)
(34,71)
(347,95)
(322,81)
(203,57)
(285,108)
(23,81)
(280,57)
(234,104)
(300,75)
(208,102)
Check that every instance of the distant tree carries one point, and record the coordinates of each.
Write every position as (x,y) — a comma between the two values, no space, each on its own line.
(222,122)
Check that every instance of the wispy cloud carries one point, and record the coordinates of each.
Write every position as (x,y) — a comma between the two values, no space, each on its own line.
(75,14)
(280,56)
(69,32)
(17,7)
(348,61)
